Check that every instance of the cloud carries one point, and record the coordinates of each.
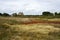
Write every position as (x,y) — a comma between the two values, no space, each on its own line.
(29,6)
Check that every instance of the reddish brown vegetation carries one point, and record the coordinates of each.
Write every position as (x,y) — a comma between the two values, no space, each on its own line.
(41,21)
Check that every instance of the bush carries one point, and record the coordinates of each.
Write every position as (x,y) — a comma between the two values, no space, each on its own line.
(5,14)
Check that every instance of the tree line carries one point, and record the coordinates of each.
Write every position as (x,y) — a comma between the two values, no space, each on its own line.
(56,14)
(13,14)
(44,14)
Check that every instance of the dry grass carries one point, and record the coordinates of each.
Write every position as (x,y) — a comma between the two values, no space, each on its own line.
(17,31)
(31,32)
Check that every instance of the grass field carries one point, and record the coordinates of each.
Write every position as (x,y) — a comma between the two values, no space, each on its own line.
(13,28)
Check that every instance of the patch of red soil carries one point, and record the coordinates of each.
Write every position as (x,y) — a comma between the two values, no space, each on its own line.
(41,21)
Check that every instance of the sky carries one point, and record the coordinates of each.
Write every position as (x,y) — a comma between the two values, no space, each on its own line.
(29,7)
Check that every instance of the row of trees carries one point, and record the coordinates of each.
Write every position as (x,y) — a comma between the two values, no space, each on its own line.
(51,14)
(14,14)
(4,14)
(46,13)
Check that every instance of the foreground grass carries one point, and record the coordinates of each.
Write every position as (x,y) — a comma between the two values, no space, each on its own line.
(29,32)
(11,29)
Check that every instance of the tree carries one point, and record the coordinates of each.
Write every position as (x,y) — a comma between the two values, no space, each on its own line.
(20,13)
(47,14)
(5,14)
(0,14)
(56,13)
(14,14)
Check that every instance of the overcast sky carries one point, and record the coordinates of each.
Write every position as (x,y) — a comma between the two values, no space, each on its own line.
(29,6)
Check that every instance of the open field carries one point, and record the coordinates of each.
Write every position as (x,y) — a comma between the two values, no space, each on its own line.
(13,28)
